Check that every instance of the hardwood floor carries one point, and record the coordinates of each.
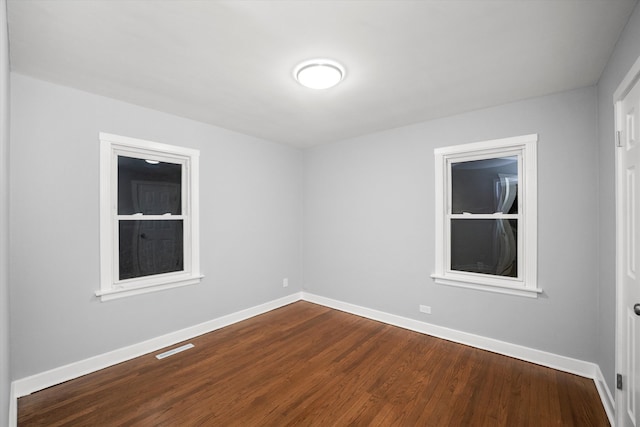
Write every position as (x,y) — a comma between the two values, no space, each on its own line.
(307,365)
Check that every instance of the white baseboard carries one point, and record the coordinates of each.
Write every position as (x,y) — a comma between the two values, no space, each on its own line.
(543,358)
(562,363)
(28,385)
(605,395)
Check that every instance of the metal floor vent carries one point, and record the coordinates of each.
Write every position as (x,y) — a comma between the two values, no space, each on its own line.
(174,351)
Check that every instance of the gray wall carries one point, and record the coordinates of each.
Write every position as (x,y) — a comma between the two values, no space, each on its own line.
(626,52)
(4,215)
(369,224)
(250,199)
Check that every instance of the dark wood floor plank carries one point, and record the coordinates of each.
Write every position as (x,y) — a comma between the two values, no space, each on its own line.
(309,365)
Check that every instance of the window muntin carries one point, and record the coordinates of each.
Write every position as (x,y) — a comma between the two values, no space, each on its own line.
(149,216)
(486,215)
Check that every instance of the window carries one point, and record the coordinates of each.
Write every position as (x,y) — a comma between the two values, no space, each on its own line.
(486,216)
(148,216)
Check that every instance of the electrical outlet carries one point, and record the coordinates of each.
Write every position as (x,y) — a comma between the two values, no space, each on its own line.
(285,282)
(425,309)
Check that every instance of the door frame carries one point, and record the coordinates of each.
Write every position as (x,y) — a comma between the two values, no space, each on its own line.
(630,79)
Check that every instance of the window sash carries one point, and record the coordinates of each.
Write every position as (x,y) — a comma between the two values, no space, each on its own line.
(150,155)
(449,216)
(186,247)
(519,247)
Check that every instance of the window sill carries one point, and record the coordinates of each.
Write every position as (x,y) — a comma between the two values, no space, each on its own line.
(121,291)
(493,287)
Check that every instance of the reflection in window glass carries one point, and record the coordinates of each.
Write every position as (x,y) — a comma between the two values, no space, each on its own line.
(150,247)
(485,186)
(487,246)
(150,188)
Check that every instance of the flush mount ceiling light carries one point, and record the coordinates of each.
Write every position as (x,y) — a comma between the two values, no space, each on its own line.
(319,73)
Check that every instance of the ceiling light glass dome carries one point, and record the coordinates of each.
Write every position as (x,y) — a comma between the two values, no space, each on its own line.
(319,73)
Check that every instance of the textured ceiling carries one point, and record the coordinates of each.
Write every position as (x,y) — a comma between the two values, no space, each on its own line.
(229,63)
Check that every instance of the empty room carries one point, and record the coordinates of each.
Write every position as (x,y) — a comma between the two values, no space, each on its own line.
(319,213)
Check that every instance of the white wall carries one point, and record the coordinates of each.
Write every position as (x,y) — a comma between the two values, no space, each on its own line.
(4,215)
(250,197)
(626,52)
(369,224)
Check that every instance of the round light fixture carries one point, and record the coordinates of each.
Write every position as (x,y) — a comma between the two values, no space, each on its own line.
(319,73)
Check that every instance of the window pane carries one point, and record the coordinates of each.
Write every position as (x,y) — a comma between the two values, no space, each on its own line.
(485,186)
(149,188)
(486,246)
(150,247)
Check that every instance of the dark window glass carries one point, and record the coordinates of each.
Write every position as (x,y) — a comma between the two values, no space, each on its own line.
(486,246)
(149,188)
(485,186)
(150,247)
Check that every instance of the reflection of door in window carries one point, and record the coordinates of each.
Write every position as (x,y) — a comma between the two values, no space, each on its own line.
(155,198)
(157,244)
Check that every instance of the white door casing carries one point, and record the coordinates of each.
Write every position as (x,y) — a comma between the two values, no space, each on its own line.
(627,112)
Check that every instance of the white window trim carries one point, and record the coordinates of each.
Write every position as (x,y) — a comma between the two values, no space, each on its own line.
(110,147)
(526,283)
